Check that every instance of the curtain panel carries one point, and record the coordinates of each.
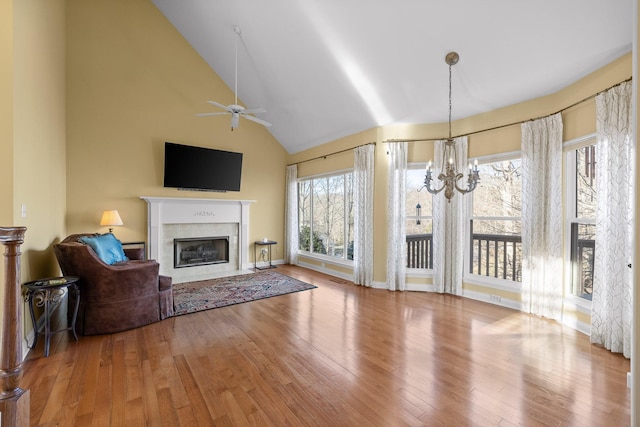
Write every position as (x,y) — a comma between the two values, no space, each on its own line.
(363,178)
(449,226)
(291,216)
(396,226)
(611,309)
(542,216)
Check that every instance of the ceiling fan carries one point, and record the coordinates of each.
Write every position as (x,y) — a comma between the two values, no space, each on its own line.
(235,109)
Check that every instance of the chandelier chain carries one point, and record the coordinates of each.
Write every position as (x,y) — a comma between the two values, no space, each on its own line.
(450,101)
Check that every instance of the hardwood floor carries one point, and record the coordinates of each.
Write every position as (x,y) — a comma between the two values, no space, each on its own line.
(338,355)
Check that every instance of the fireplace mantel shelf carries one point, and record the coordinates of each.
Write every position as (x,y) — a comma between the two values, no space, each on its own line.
(158,199)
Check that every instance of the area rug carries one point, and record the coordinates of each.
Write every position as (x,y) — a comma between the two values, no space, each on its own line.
(207,294)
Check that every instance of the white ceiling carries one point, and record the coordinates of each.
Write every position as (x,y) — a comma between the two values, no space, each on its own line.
(331,68)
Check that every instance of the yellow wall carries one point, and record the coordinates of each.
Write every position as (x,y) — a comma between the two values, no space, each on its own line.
(6,127)
(32,129)
(133,83)
(6,113)
(39,132)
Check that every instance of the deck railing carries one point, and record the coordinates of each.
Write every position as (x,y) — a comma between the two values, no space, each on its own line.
(582,261)
(499,256)
(493,255)
(496,255)
(420,251)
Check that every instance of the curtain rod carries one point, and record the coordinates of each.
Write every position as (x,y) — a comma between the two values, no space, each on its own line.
(331,154)
(514,123)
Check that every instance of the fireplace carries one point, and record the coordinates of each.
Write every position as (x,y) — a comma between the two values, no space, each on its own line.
(187,218)
(195,251)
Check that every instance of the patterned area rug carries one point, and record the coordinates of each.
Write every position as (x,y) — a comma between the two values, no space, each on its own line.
(206,294)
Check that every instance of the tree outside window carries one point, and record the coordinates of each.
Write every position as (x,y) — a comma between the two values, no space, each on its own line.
(325,215)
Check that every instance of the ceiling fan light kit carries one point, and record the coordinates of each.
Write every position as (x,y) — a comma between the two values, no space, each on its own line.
(236,110)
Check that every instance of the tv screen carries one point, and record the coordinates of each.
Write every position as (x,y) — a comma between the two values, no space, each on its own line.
(198,168)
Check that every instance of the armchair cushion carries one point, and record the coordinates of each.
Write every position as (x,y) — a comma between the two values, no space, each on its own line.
(107,247)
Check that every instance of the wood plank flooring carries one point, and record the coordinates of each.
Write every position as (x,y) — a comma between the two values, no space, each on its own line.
(338,355)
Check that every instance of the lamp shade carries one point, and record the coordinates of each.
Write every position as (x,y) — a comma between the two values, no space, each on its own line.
(110,218)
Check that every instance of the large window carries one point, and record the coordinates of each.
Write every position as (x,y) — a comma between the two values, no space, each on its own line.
(495,228)
(581,211)
(419,220)
(325,217)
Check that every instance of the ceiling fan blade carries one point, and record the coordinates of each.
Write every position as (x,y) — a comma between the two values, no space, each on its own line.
(211,114)
(254,110)
(257,120)
(217,104)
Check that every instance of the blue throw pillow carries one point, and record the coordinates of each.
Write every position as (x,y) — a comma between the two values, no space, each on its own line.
(107,247)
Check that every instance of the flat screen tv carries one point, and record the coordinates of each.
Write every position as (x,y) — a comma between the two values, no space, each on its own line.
(203,169)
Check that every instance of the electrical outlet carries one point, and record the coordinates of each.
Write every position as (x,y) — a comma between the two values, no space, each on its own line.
(263,251)
(495,298)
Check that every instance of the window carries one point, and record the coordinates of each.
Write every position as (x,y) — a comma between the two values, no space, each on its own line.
(419,220)
(325,216)
(581,211)
(495,227)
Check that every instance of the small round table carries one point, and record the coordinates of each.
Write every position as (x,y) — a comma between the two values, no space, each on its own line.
(45,293)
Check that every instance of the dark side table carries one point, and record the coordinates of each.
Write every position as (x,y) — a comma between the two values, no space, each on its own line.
(262,243)
(46,293)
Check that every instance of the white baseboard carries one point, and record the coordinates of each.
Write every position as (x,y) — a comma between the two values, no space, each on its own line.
(325,270)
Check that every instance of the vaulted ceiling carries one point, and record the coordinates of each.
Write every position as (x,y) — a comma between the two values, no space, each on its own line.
(328,69)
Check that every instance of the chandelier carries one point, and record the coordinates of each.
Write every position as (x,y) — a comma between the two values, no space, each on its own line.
(449,176)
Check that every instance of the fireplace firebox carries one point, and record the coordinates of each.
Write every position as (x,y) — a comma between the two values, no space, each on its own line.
(200,251)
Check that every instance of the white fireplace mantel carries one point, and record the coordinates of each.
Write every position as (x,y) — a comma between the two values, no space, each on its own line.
(174,210)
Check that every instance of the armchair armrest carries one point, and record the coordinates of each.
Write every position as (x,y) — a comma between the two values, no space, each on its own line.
(134,253)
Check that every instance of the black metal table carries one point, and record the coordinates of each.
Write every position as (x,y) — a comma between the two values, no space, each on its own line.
(45,293)
(267,243)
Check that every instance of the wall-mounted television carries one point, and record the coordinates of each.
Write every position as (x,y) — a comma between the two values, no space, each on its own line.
(204,169)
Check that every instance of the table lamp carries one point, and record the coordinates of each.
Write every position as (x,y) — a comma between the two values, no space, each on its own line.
(111,218)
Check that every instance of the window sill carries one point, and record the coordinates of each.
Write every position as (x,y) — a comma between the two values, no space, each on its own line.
(419,272)
(492,282)
(327,259)
(581,304)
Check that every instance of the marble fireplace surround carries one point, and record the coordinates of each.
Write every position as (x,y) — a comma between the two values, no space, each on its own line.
(173,217)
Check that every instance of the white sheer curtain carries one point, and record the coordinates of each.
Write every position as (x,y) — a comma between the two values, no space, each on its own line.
(363,177)
(449,220)
(611,310)
(396,227)
(542,216)
(291,216)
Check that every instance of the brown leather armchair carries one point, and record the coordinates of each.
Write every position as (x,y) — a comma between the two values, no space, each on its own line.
(117,297)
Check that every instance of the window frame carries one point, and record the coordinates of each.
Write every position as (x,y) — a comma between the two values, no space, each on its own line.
(570,216)
(341,261)
(477,279)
